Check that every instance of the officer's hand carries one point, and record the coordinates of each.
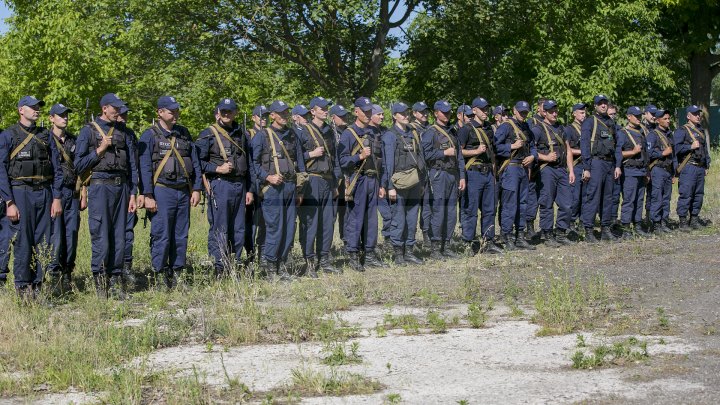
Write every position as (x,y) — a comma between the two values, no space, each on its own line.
(274,179)
(552,156)
(381,192)
(618,173)
(83,198)
(364,153)
(517,144)
(461,185)
(12,212)
(299,200)
(637,149)
(586,175)
(674,179)
(224,168)
(105,143)
(392,194)
(336,193)
(140,201)
(695,145)
(195,198)
(571,177)
(132,206)
(482,149)
(317,152)
(150,204)
(449,152)
(706,172)
(56,208)
(667,151)
(249,197)
(528,160)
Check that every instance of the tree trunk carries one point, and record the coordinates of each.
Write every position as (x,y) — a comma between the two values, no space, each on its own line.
(701,78)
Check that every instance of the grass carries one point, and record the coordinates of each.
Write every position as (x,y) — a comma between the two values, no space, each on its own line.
(621,352)
(339,355)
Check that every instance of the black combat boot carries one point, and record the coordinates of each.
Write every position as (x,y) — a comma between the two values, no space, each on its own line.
(684,225)
(522,243)
(549,239)
(426,240)
(447,252)
(694,223)
(354,261)
(639,231)
(399,256)
(590,235)
(283,273)
(373,261)
(267,269)
(410,256)
(311,270)
(116,289)
(326,266)
(100,280)
(489,246)
(128,276)
(509,241)
(562,238)
(530,233)
(56,288)
(607,235)
(436,250)
(170,279)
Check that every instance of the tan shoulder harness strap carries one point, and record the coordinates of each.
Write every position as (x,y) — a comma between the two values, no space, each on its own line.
(442,131)
(29,136)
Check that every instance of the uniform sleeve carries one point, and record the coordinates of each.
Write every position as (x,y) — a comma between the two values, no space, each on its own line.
(460,162)
(145,148)
(532,146)
(303,138)
(251,178)
(5,145)
(502,147)
(388,142)
(197,184)
(463,135)
(257,149)
(300,156)
(681,148)
(85,156)
(57,169)
(618,147)
(428,143)
(585,138)
(204,143)
(130,141)
(347,161)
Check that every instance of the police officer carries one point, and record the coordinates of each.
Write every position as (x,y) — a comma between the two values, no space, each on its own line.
(377,129)
(446,177)
(358,153)
(556,176)
(65,227)
(106,151)
(30,183)
(649,123)
(572,137)
(132,217)
(316,213)
(500,115)
(277,158)
(601,168)
(516,147)
(254,222)
(694,161)
(617,188)
(338,123)
(534,181)
(632,144)
(662,165)
(5,235)
(300,115)
(403,163)
(419,122)
(225,161)
(464,116)
(170,173)
(478,149)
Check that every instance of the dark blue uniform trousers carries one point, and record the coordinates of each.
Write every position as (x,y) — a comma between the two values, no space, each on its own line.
(64,237)
(691,190)
(5,235)
(661,181)
(444,204)
(633,187)
(278,207)
(316,218)
(361,223)
(254,226)
(617,190)
(132,220)
(425,207)
(386,215)
(31,231)
(577,194)
(107,219)
(555,188)
(227,221)
(514,195)
(479,195)
(598,194)
(533,198)
(169,228)
(405,210)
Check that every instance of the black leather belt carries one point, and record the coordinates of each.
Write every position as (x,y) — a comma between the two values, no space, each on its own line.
(33,187)
(112,181)
(482,168)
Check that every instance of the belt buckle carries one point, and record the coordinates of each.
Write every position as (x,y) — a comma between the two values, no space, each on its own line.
(118,181)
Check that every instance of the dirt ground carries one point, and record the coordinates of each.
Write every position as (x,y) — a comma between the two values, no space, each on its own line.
(666,290)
